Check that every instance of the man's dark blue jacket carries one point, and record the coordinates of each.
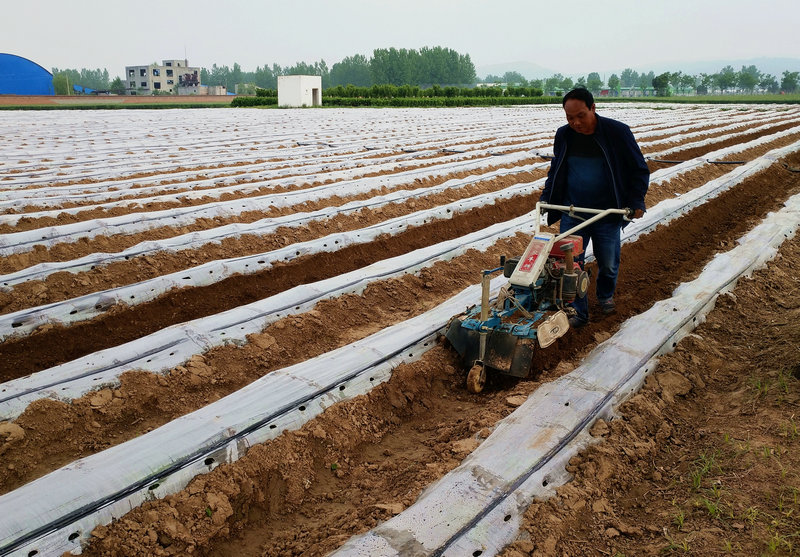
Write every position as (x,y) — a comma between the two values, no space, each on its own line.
(627,171)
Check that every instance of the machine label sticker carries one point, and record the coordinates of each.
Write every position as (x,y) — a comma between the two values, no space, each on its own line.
(527,265)
(536,248)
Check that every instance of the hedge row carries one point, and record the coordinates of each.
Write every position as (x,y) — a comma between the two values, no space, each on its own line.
(406,91)
(436,101)
(254,101)
(404,101)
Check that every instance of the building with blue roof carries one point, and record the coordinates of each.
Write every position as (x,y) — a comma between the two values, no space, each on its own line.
(20,76)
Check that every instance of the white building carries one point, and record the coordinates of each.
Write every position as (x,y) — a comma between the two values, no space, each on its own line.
(202,90)
(299,90)
(145,80)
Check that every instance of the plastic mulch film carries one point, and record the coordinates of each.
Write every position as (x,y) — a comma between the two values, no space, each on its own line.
(90,305)
(18,242)
(193,240)
(525,456)
(161,351)
(42,515)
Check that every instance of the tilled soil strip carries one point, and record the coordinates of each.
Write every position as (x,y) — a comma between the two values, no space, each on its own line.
(738,137)
(53,345)
(703,460)
(64,286)
(328,334)
(32,222)
(292,171)
(366,459)
(109,244)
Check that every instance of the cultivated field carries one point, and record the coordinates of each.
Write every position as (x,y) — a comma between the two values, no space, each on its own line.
(219,336)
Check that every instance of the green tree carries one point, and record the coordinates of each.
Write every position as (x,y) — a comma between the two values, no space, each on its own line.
(514,78)
(594,83)
(353,70)
(704,83)
(675,80)
(117,86)
(614,84)
(661,84)
(553,85)
(265,77)
(236,77)
(769,83)
(392,66)
(61,84)
(645,81)
(790,81)
(748,78)
(688,83)
(725,79)
(93,79)
(629,78)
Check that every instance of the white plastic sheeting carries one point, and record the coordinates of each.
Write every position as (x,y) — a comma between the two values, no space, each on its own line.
(525,456)
(665,174)
(737,129)
(42,515)
(90,305)
(194,240)
(161,351)
(75,492)
(157,139)
(182,341)
(215,188)
(18,242)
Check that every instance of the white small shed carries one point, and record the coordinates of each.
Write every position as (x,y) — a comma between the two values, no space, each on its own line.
(299,90)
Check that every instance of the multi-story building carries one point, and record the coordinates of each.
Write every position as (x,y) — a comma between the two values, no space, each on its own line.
(147,80)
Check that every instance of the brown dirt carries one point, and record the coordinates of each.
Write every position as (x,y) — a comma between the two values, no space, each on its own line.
(32,223)
(64,285)
(45,100)
(704,460)
(366,459)
(116,243)
(361,461)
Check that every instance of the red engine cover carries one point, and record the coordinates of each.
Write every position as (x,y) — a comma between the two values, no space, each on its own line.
(575,240)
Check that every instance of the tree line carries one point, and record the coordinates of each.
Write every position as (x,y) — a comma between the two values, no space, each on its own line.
(387,66)
(749,80)
(444,67)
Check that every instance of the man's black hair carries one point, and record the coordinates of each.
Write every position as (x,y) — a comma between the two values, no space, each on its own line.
(581,94)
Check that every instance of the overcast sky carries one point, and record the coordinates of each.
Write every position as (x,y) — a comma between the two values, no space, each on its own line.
(573,37)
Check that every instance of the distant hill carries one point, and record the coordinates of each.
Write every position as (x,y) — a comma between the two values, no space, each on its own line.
(774,66)
(531,70)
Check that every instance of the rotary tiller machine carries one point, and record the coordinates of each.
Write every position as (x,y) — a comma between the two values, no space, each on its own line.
(532,309)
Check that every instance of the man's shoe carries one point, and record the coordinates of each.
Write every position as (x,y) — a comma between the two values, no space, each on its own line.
(608,307)
(576,322)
